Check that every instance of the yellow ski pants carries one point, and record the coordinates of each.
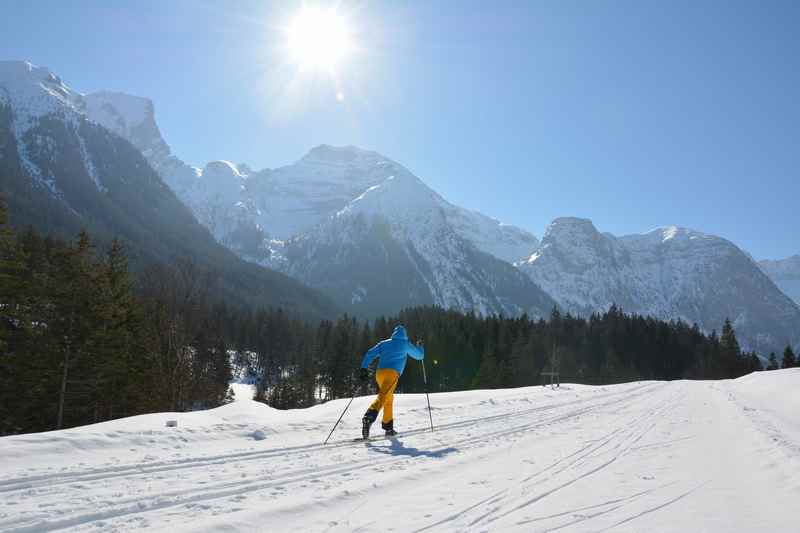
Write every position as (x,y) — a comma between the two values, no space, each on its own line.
(387,379)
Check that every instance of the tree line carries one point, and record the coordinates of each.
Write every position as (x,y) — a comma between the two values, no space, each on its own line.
(469,351)
(82,341)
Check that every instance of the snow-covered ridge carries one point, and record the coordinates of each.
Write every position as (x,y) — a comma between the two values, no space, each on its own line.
(669,273)
(402,227)
(115,110)
(290,200)
(34,93)
(327,154)
(668,234)
(378,184)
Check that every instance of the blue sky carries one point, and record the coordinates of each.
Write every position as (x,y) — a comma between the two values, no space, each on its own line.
(635,114)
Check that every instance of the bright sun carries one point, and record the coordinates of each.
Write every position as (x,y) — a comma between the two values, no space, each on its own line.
(318,39)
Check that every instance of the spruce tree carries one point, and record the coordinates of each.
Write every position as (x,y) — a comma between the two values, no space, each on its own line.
(755,363)
(489,372)
(12,314)
(730,350)
(121,326)
(789,359)
(10,279)
(772,364)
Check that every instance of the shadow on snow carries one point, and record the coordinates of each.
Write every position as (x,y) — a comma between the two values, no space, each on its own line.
(396,447)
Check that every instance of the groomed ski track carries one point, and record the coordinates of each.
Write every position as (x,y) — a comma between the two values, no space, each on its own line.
(645,456)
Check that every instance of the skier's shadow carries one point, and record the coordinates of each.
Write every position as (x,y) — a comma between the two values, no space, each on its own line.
(396,447)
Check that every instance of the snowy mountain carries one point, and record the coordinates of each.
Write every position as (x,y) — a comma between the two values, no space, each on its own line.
(679,456)
(668,273)
(786,275)
(364,229)
(131,117)
(238,205)
(307,219)
(400,244)
(62,172)
(293,199)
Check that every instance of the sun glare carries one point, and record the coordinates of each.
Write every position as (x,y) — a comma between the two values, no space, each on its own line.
(318,39)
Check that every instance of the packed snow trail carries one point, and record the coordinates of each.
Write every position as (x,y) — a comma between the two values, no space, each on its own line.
(654,456)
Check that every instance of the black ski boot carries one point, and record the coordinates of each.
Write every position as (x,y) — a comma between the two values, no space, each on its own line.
(366,422)
(388,427)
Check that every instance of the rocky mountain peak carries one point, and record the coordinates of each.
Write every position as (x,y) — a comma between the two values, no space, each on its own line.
(222,170)
(34,92)
(132,118)
(570,229)
(337,154)
(116,110)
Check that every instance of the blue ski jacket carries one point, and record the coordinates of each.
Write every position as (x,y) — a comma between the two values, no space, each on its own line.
(392,353)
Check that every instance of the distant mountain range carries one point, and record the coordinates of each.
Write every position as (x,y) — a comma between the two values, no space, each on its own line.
(369,234)
(62,172)
(351,222)
(668,273)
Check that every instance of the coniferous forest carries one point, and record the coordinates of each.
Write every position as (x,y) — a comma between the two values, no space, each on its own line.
(83,340)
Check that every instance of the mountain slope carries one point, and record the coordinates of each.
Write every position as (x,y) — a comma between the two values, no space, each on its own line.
(394,246)
(61,172)
(669,273)
(674,456)
(302,219)
(247,213)
(309,219)
(294,198)
(786,275)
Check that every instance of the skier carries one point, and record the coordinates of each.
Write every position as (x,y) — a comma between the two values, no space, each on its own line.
(391,354)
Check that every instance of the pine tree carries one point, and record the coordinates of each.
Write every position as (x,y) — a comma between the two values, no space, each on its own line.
(10,279)
(72,324)
(755,363)
(772,363)
(488,376)
(12,325)
(789,359)
(122,325)
(730,351)
(31,358)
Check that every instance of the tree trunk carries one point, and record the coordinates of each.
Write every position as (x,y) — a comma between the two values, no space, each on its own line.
(63,392)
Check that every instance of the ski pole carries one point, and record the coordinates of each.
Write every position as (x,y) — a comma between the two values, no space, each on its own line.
(340,418)
(425,380)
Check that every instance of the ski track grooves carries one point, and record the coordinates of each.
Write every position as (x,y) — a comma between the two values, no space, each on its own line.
(45,480)
(232,487)
(626,438)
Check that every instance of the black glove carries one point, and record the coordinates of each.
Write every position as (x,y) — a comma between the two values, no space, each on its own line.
(363,374)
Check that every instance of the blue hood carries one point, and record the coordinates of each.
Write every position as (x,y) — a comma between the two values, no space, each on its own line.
(400,333)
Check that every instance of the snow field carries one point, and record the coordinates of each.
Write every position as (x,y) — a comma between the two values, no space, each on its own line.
(645,456)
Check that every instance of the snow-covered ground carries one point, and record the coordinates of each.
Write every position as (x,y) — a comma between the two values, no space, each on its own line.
(647,456)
